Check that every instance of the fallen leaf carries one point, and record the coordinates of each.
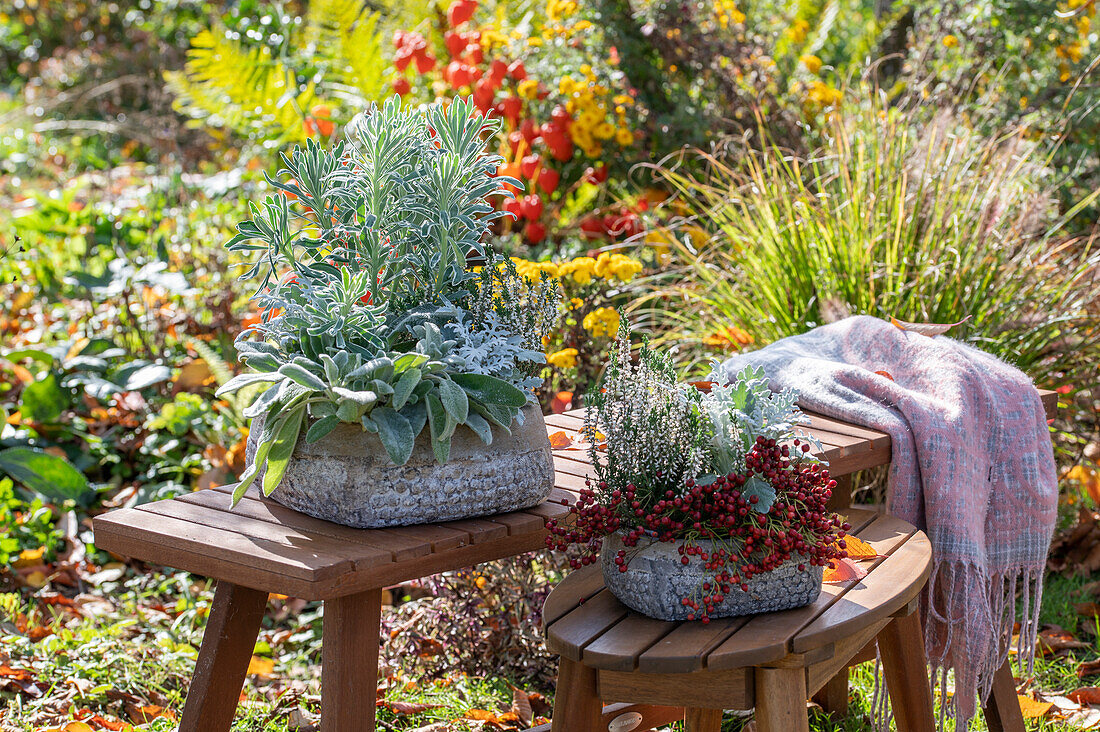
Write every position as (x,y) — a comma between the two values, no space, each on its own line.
(927,329)
(400,707)
(560,440)
(521,705)
(859,549)
(843,570)
(1088,668)
(1055,640)
(301,721)
(145,713)
(1033,709)
(261,666)
(885,374)
(1085,695)
(479,715)
(29,558)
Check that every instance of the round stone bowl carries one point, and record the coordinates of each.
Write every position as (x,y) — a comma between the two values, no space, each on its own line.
(657,580)
(347,477)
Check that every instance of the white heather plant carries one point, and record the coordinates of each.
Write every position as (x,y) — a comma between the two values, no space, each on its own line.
(382,307)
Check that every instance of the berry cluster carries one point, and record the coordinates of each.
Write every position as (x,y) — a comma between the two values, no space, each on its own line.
(730,530)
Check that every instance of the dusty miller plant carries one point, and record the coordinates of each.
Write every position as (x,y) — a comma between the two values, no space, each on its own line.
(375,310)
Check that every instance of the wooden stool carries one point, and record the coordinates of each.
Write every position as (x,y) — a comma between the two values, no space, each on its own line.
(772,662)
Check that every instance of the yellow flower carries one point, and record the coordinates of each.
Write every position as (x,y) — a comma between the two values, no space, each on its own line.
(611,265)
(602,322)
(950,41)
(811,62)
(566,358)
(624,137)
(823,95)
(528,88)
(566,85)
(575,303)
(604,130)
(581,269)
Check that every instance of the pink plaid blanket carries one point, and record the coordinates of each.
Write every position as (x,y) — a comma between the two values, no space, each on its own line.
(972,466)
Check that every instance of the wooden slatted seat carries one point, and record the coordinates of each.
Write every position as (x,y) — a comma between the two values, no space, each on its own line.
(261,547)
(768,661)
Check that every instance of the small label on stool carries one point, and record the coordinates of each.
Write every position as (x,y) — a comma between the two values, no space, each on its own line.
(625,722)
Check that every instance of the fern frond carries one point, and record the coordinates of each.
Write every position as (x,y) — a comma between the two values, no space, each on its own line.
(218,366)
(226,85)
(347,39)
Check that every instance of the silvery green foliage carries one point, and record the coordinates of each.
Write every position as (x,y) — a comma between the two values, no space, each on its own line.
(372,313)
(744,409)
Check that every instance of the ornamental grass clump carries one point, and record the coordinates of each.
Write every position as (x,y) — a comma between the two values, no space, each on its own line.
(381,305)
(719,473)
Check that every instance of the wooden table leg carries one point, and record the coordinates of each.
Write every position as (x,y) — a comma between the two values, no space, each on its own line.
(702,720)
(781,700)
(905,668)
(833,697)
(1002,709)
(227,647)
(349,661)
(577,706)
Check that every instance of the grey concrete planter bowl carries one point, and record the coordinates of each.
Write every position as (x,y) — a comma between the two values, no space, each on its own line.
(347,478)
(656,580)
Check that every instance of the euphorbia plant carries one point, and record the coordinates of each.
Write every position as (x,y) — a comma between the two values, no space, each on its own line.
(382,307)
(720,473)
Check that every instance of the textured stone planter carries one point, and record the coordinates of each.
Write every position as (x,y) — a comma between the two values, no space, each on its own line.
(347,478)
(656,581)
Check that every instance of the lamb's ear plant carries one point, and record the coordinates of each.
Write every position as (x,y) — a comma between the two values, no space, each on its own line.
(374,312)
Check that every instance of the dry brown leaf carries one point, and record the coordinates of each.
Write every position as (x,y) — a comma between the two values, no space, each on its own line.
(1085,695)
(521,705)
(927,329)
(1054,640)
(400,707)
(1088,668)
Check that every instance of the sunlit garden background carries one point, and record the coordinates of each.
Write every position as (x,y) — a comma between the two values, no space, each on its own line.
(724,173)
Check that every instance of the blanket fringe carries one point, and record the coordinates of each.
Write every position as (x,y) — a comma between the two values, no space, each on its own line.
(955,613)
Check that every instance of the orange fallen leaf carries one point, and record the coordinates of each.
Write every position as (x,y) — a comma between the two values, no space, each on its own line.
(843,570)
(144,713)
(260,666)
(480,715)
(703,386)
(400,707)
(1033,709)
(886,374)
(29,558)
(859,549)
(560,440)
(927,329)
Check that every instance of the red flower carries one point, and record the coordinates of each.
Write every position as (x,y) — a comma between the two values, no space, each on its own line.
(401,86)
(460,11)
(535,232)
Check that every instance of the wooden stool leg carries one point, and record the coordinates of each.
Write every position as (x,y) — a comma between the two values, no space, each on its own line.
(833,697)
(349,661)
(781,700)
(1002,709)
(227,647)
(702,720)
(905,667)
(577,706)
